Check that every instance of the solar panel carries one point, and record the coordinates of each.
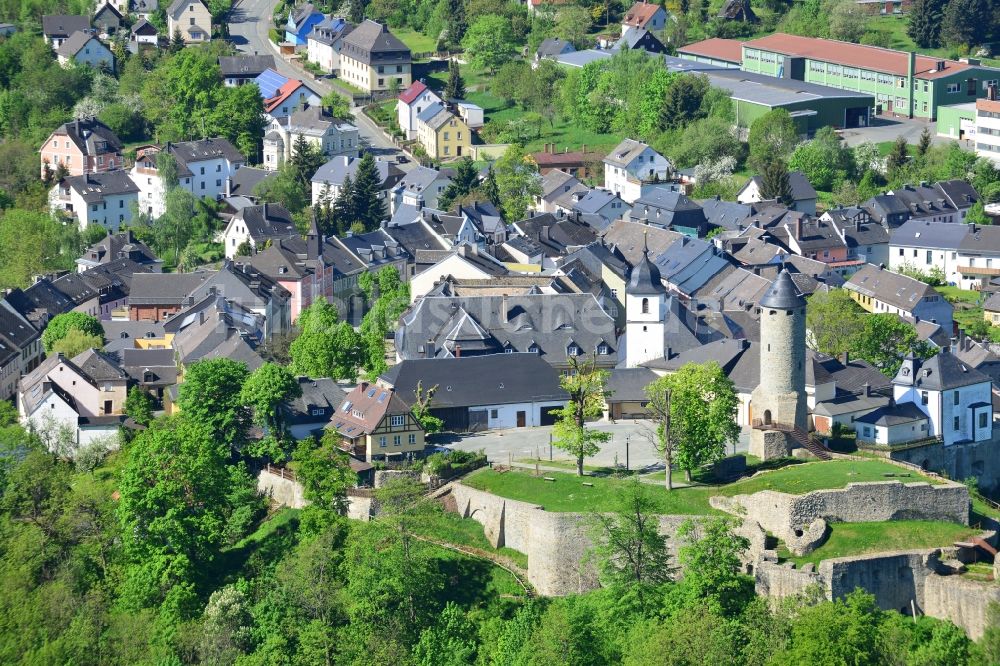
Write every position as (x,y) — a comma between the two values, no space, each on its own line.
(269,81)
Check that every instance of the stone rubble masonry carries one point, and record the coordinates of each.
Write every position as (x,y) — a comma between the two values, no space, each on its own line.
(558,545)
(964,602)
(384,477)
(789,517)
(784,580)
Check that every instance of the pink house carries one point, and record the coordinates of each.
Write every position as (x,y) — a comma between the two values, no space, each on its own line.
(82,146)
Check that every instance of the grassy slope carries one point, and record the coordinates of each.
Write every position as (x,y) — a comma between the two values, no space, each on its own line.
(858,538)
(567,492)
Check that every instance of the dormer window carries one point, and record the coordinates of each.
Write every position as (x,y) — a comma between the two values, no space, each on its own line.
(573,350)
(602,349)
(533,349)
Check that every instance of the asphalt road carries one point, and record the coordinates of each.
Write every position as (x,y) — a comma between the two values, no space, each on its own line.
(249,22)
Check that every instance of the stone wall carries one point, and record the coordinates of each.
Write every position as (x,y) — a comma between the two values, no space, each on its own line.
(959,461)
(784,580)
(385,476)
(558,545)
(281,490)
(896,579)
(962,601)
(790,516)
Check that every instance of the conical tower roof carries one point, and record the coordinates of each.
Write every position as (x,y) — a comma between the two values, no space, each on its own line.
(783,294)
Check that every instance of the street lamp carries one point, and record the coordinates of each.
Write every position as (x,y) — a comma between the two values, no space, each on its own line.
(627,437)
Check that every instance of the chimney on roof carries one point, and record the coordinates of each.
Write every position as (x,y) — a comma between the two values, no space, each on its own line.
(458,351)
(991,92)
(429,347)
(503,308)
(867,389)
(229,186)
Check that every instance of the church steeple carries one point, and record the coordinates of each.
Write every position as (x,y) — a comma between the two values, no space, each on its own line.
(645,279)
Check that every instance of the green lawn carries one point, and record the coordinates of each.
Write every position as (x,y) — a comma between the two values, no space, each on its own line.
(958,295)
(449,527)
(567,492)
(417,41)
(847,539)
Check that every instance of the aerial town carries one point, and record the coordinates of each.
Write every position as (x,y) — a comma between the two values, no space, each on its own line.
(500,333)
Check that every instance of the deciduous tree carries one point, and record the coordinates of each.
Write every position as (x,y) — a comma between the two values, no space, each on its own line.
(772,136)
(585,385)
(210,396)
(325,346)
(885,339)
(489,42)
(518,182)
(833,320)
(265,390)
(60,326)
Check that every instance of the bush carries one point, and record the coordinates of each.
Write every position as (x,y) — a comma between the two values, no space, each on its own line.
(454,463)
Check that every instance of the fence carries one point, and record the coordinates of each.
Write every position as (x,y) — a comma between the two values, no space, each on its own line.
(283,472)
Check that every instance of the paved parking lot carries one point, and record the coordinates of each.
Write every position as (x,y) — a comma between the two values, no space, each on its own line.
(502,446)
(887,129)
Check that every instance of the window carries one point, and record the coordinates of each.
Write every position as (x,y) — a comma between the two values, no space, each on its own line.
(923,397)
(318,412)
(953,88)
(413,439)
(396,440)
(955,424)
(382,441)
(956,397)
(982,419)
(645,306)
(494,413)
(573,350)
(191,20)
(396,421)
(868,431)
(602,350)
(929,256)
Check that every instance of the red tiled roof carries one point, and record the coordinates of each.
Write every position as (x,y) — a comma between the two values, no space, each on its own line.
(988,105)
(411,93)
(281,94)
(640,14)
(572,157)
(730,50)
(373,402)
(855,55)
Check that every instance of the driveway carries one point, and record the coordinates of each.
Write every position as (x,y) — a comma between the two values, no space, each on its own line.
(249,22)
(502,446)
(887,129)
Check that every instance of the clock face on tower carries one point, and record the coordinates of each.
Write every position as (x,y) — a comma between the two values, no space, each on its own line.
(906,372)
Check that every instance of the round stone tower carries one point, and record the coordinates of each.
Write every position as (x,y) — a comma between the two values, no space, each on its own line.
(778,404)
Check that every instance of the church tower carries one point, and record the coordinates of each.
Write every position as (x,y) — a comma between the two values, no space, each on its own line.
(645,305)
(779,401)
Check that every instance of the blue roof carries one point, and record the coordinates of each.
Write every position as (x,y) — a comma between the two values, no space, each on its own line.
(430,112)
(269,81)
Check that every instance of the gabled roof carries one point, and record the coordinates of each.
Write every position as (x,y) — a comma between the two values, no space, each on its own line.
(286,90)
(898,290)
(893,414)
(91,137)
(62,25)
(99,366)
(929,235)
(192,152)
(372,42)
(553,46)
(176,7)
(409,95)
(245,66)
(802,189)
(165,288)
(856,55)
(268,220)
(144,27)
(473,381)
(318,402)
(334,171)
(716,48)
(641,13)
(626,151)
(363,409)
(108,7)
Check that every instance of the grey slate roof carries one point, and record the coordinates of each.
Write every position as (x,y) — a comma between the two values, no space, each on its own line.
(725,214)
(661,206)
(553,46)
(473,381)
(625,152)
(802,189)
(372,43)
(99,366)
(75,42)
(645,278)
(783,294)
(547,323)
(247,178)
(941,372)
(93,187)
(335,170)
(165,288)
(188,152)
(63,25)
(268,220)
(893,414)
(245,66)
(929,235)
(895,289)
(629,384)
(91,136)
(318,395)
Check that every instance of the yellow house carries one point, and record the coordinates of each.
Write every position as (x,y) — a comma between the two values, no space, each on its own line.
(373,59)
(443,135)
(991,310)
(374,423)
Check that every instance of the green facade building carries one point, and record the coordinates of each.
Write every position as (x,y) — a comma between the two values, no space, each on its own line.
(903,84)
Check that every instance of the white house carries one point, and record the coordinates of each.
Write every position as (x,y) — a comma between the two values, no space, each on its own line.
(411,103)
(645,16)
(257,224)
(329,178)
(421,187)
(967,254)
(83,48)
(803,194)
(315,124)
(203,167)
(324,42)
(144,32)
(631,165)
(955,397)
(645,312)
(471,113)
(105,198)
(466,262)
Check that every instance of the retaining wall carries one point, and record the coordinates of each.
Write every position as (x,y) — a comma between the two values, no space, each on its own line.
(787,516)
(964,602)
(281,490)
(784,580)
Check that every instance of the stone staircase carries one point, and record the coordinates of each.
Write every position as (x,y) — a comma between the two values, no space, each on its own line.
(810,443)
